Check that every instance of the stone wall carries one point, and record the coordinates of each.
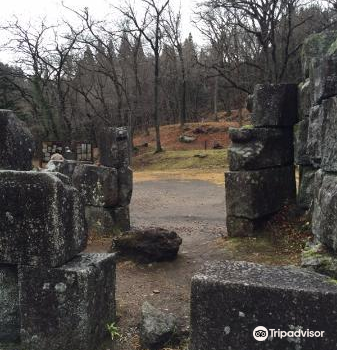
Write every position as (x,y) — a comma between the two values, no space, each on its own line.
(261,179)
(106,188)
(52,296)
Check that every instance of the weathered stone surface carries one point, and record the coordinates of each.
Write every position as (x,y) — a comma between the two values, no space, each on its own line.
(275,105)
(101,221)
(153,244)
(122,218)
(304,99)
(317,258)
(329,135)
(241,227)
(259,148)
(305,194)
(301,143)
(125,186)
(315,132)
(324,78)
(157,328)
(315,46)
(65,167)
(41,219)
(9,305)
(114,147)
(324,216)
(16,143)
(254,194)
(230,299)
(68,307)
(97,184)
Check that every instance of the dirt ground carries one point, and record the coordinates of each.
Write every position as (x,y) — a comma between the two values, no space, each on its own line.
(195,209)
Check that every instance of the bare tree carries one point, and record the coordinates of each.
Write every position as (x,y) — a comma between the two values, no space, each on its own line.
(151,28)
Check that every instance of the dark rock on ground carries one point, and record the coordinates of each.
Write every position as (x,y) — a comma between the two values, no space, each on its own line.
(257,193)
(9,305)
(16,143)
(275,105)
(97,184)
(324,216)
(230,299)
(259,148)
(152,244)
(68,307)
(157,328)
(42,220)
(305,194)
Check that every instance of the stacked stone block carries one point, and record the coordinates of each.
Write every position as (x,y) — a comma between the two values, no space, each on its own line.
(52,296)
(316,106)
(230,299)
(261,179)
(107,188)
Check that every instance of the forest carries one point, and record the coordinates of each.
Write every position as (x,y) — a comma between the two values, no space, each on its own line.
(67,80)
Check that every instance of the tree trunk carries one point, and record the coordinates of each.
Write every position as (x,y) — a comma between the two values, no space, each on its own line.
(156,100)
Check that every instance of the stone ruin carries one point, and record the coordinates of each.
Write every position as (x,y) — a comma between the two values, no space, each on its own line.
(106,188)
(261,179)
(230,299)
(52,295)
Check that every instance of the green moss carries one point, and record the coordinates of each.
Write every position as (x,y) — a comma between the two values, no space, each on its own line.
(332,280)
(248,126)
(333,48)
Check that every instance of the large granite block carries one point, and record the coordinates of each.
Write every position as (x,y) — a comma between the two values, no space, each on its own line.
(241,227)
(68,307)
(16,143)
(324,215)
(42,220)
(230,299)
(114,147)
(305,195)
(9,305)
(315,134)
(125,186)
(304,99)
(97,184)
(254,194)
(122,218)
(329,135)
(324,78)
(315,46)
(101,221)
(301,143)
(259,148)
(275,105)
(65,167)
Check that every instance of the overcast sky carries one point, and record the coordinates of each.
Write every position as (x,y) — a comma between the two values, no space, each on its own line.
(53,11)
